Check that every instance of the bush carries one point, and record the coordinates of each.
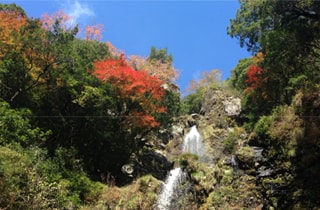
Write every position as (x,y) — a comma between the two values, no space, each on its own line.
(29,180)
(15,127)
(231,141)
(262,126)
(192,103)
(21,184)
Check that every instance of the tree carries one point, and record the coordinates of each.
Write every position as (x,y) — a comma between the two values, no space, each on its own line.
(160,55)
(239,74)
(254,78)
(197,89)
(16,127)
(209,79)
(140,92)
(49,21)
(158,63)
(94,32)
(275,28)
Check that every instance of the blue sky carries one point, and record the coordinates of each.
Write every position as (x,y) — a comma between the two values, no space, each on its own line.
(194,32)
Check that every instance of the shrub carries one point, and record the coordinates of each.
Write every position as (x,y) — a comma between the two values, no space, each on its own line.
(15,127)
(230,142)
(262,126)
(21,183)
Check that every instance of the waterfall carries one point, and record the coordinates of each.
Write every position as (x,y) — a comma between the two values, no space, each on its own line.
(171,190)
(193,143)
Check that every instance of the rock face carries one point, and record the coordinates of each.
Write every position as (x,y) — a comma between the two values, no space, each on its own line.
(246,172)
(216,100)
(242,172)
(228,181)
(232,106)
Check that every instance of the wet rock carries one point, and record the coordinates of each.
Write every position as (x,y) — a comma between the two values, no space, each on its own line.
(192,120)
(195,116)
(153,163)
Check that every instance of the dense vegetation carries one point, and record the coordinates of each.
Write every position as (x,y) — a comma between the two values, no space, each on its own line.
(74,110)
(279,87)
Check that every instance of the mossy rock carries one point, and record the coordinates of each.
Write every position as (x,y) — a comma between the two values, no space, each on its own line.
(249,157)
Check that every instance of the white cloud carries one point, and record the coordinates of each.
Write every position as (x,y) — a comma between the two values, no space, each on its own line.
(77,11)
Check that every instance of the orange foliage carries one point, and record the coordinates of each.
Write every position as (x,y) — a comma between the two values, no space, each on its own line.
(94,32)
(135,87)
(10,25)
(49,20)
(113,50)
(258,58)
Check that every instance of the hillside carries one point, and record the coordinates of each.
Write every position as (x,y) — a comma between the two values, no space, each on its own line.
(83,126)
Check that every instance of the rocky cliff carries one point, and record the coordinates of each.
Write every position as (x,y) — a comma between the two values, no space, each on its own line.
(257,170)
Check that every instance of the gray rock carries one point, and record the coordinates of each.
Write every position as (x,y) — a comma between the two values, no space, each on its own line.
(265,172)
(232,106)
(127,169)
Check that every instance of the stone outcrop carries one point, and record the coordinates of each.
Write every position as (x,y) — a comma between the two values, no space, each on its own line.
(222,183)
(216,100)
(232,106)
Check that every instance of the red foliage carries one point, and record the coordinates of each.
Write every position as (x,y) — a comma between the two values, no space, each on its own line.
(254,78)
(134,86)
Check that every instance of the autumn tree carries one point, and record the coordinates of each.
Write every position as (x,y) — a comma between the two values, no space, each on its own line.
(140,92)
(284,84)
(14,75)
(275,28)
(208,79)
(115,52)
(159,63)
(94,32)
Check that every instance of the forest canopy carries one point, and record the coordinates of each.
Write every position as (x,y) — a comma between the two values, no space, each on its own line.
(64,91)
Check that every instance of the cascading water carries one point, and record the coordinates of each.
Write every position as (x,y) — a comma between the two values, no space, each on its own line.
(172,190)
(193,144)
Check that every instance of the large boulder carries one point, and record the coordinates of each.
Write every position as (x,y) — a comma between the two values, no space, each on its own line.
(232,106)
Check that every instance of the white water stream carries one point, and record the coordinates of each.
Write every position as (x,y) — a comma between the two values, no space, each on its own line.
(171,190)
(193,143)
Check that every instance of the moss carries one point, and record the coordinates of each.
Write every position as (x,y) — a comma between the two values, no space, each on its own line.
(188,161)
(198,175)
(230,142)
(227,176)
